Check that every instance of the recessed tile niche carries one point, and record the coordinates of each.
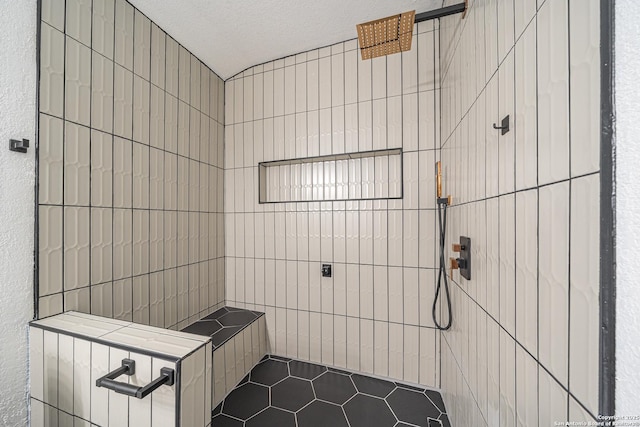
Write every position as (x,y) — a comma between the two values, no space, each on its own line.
(351,176)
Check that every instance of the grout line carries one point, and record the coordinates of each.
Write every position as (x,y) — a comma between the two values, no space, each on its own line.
(91,113)
(569,206)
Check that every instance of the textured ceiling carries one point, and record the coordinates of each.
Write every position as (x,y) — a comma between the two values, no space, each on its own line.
(231,35)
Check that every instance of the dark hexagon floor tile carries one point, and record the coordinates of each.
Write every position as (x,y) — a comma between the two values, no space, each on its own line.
(244,380)
(333,387)
(224,421)
(223,335)
(436,398)
(246,401)
(203,327)
(217,409)
(237,318)
(412,407)
(321,414)
(305,370)
(373,386)
(291,394)
(269,372)
(366,411)
(272,417)
(445,420)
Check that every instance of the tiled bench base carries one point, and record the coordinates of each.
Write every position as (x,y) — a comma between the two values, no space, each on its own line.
(70,351)
(239,342)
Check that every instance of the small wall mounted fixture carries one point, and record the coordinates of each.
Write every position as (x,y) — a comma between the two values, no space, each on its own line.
(504,125)
(326,270)
(19,146)
(463,262)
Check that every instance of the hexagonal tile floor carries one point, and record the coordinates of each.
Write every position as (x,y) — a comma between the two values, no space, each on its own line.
(281,392)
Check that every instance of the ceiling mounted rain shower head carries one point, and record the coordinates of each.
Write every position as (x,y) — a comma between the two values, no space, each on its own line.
(386,36)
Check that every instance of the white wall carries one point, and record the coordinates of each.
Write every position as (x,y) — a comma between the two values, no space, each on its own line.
(523,349)
(17,120)
(374,314)
(146,249)
(627,73)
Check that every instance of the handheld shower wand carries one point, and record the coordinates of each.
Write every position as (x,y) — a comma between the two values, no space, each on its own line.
(442,270)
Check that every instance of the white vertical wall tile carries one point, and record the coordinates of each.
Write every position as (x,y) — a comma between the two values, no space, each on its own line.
(552,399)
(142,45)
(77,166)
(124,23)
(584,72)
(385,296)
(554,278)
(526,280)
(506,151)
(381,348)
(36,363)
(53,13)
(37,413)
(525,110)
(526,389)
(51,249)
(52,65)
(101,93)
(51,160)
(505,27)
(158,56)
(65,373)
(584,290)
(507,380)
(78,22)
(99,395)
(553,92)
(122,102)
(507,263)
(396,350)
(76,247)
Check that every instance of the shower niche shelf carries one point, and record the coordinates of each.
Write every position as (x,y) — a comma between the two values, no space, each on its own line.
(364,175)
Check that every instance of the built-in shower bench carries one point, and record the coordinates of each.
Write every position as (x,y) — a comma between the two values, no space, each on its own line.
(90,370)
(239,339)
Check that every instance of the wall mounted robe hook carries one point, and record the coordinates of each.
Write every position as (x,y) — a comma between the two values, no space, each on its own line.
(18,145)
(504,126)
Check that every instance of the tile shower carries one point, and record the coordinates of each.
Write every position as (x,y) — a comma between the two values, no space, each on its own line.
(149,201)
(131,169)
(374,314)
(524,348)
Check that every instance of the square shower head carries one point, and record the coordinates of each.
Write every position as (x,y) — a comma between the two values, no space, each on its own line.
(386,36)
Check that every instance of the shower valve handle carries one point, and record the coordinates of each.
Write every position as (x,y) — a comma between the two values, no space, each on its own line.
(455,264)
